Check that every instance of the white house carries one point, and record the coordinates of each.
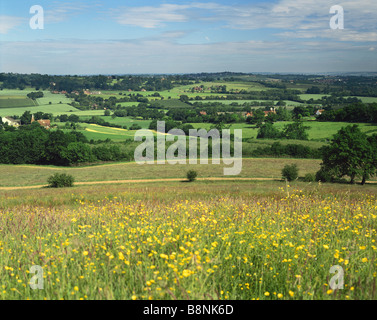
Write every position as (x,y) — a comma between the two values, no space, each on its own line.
(11,122)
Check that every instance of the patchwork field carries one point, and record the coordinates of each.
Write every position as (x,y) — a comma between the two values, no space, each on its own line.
(15,103)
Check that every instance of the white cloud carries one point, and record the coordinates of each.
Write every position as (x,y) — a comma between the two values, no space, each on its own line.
(8,23)
(152,17)
(309,18)
(165,55)
(57,11)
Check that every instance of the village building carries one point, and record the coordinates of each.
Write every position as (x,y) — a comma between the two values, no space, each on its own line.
(11,122)
(44,123)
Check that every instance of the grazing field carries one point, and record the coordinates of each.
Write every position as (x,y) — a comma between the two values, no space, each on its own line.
(226,241)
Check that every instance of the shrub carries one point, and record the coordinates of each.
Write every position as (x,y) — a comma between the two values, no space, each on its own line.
(290,172)
(324,175)
(135,127)
(60,181)
(310,177)
(191,175)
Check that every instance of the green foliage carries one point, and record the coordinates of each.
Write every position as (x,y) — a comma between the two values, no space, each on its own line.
(292,131)
(35,95)
(135,127)
(351,153)
(268,131)
(324,175)
(78,152)
(290,172)
(60,181)
(191,175)
(26,118)
(295,131)
(310,177)
(258,117)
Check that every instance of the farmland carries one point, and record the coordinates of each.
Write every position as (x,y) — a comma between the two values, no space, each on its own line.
(143,232)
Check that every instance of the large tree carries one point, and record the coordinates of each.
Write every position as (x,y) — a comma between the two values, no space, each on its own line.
(350,153)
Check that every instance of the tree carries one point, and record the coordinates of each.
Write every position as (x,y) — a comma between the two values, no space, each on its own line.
(26,118)
(350,154)
(295,131)
(184,98)
(290,172)
(77,152)
(369,166)
(258,117)
(60,181)
(191,175)
(268,131)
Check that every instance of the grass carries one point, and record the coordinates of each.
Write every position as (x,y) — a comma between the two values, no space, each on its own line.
(222,241)
(55,109)
(15,102)
(10,102)
(28,175)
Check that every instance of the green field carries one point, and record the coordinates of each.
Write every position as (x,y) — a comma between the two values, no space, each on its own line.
(26,175)
(15,103)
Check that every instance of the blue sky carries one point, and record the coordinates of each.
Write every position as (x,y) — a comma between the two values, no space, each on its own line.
(129,36)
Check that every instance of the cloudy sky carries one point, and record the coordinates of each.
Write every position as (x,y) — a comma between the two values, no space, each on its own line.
(145,36)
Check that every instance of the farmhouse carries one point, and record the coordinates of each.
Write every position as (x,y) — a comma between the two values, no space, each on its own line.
(11,122)
(266,113)
(319,112)
(44,123)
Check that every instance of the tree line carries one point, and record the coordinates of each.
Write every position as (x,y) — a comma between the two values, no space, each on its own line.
(32,144)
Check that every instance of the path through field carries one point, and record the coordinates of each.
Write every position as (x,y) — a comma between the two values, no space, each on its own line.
(141,181)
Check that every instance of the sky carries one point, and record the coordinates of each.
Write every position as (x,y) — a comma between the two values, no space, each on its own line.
(170,37)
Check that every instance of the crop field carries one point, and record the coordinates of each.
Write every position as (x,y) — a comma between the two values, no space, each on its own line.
(318,131)
(56,110)
(15,103)
(223,241)
(123,121)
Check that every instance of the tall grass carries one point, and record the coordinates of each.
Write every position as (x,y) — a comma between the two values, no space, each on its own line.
(196,243)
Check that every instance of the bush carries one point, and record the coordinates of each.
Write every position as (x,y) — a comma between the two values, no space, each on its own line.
(310,177)
(60,181)
(290,172)
(324,176)
(191,175)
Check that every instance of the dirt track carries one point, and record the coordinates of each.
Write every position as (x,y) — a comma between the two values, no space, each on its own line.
(138,181)
(148,181)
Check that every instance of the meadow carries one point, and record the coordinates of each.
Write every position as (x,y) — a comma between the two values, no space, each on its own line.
(202,240)
(29,175)
(126,231)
